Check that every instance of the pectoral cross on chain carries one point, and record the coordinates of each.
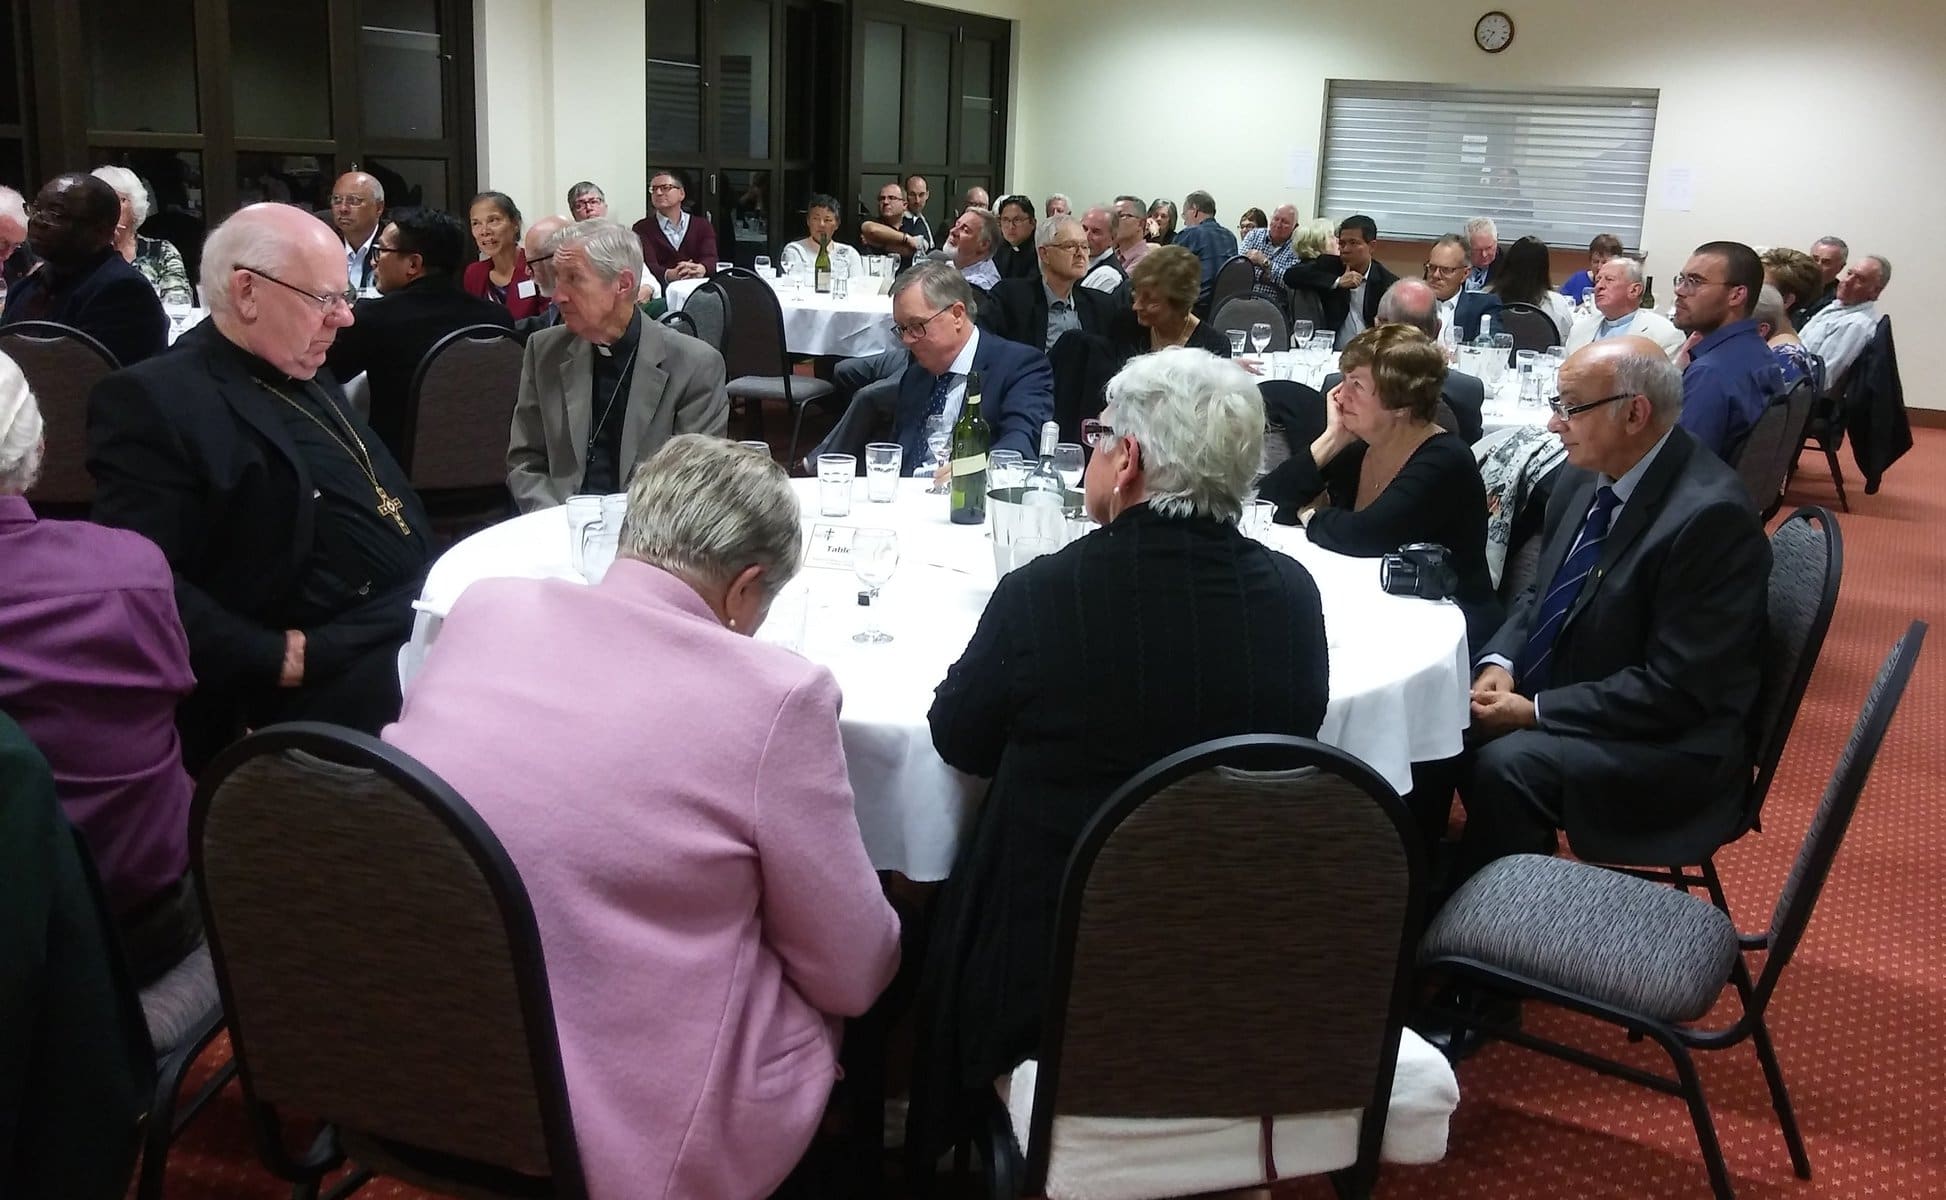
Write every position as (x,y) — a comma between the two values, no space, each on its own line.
(390,506)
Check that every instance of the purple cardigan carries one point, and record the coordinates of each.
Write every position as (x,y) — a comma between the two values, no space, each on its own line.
(93,661)
(698,244)
(674,796)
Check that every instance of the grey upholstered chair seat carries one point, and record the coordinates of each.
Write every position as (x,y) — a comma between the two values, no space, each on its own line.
(771,387)
(1627,942)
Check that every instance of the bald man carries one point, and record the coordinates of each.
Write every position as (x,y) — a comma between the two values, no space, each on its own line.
(357,203)
(83,281)
(296,543)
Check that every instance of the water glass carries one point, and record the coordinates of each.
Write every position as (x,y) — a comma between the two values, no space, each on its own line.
(835,474)
(874,556)
(1027,549)
(1237,338)
(939,436)
(1069,462)
(722,267)
(882,462)
(1525,361)
(1006,468)
(583,511)
(762,448)
(840,287)
(1300,334)
(1258,516)
(1555,355)
(762,266)
(1260,336)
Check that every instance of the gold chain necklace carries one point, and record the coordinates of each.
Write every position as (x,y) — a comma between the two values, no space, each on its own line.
(388,505)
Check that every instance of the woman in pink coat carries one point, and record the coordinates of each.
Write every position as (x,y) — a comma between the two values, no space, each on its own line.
(674,796)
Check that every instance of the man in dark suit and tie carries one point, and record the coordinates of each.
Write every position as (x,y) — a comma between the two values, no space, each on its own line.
(1037,311)
(1614,702)
(83,281)
(1411,302)
(934,310)
(419,256)
(1459,310)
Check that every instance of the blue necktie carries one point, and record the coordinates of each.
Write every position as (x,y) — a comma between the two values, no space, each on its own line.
(940,388)
(1537,659)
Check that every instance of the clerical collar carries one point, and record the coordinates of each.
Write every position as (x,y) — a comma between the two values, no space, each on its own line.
(624,344)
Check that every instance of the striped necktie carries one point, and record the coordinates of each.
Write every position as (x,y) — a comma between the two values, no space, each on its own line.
(1537,658)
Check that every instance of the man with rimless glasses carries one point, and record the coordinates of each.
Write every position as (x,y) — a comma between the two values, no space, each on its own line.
(296,543)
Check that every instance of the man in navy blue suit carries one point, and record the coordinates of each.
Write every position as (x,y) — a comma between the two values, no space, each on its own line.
(1447,264)
(84,282)
(933,309)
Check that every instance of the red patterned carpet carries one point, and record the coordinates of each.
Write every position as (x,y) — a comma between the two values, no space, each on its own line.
(1860,1018)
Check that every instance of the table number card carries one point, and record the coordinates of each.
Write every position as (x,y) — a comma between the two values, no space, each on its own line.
(830,546)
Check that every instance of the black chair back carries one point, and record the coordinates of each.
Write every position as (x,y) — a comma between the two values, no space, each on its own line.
(753,341)
(1531,327)
(1296,407)
(1833,816)
(62,365)
(1807,561)
(429,1048)
(1765,455)
(1172,896)
(681,322)
(459,407)
(1241,312)
(1233,279)
(708,309)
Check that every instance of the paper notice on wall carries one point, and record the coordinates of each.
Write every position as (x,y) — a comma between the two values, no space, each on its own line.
(1301,169)
(1679,189)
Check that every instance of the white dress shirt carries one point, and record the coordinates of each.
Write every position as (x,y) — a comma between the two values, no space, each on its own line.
(961,367)
(1642,321)
(1838,334)
(675,230)
(355,259)
(982,274)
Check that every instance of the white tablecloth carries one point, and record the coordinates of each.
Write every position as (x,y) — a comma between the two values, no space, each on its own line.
(817,324)
(1399,670)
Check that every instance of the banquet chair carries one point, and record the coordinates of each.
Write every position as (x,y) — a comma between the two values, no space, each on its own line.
(1651,959)
(1298,408)
(62,365)
(1233,280)
(681,322)
(432,1056)
(756,358)
(1765,456)
(1241,312)
(1807,562)
(1232,950)
(458,408)
(708,310)
(1531,327)
(1824,430)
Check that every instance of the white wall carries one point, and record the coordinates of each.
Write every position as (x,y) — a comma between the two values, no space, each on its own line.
(1798,118)
(562,85)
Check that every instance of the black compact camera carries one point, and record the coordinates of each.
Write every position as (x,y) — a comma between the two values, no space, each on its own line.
(1423,569)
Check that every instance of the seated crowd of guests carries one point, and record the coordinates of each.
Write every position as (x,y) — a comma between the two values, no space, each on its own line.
(255,549)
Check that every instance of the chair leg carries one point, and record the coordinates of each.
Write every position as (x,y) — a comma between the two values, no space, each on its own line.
(1837,477)
(797,431)
(1780,1100)
(163,1123)
(1699,1113)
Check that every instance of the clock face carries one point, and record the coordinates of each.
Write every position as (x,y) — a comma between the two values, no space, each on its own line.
(1494,32)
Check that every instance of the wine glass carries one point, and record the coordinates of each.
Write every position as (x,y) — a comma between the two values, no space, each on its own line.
(1260,336)
(939,435)
(1237,337)
(1300,334)
(1069,463)
(874,556)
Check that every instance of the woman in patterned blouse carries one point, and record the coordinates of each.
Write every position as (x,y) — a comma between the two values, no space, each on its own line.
(158,260)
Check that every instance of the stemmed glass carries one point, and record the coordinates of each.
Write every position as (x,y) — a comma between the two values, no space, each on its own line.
(1069,463)
(874,556)
(1300,334)
(1260,336)
(939,434)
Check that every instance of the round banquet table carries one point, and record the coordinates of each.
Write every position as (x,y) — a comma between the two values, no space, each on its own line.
(1399,669)
(816,324)
(1502,408)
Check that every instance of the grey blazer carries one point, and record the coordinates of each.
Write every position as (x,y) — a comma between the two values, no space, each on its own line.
(677,387)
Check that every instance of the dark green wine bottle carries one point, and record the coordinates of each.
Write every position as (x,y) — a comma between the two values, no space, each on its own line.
(1648,294)
(971,438)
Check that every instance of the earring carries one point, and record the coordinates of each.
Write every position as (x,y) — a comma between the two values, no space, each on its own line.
(733,622)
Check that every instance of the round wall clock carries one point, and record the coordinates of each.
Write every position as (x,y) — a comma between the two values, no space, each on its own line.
(1494,32)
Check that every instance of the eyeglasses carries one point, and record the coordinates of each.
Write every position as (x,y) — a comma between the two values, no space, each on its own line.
(665,187)
(1069,247)
(382,248)
(1685,284)
(1094,434)
(1016,220)
(917,329)
(1568,411)
(351,201)
(538,259)
(1434,269)
(324,300)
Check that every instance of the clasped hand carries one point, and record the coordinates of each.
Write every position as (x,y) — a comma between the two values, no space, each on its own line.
(1497,708)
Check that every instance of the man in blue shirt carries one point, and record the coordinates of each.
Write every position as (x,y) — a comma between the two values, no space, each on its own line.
(1207,240)
(1732,375)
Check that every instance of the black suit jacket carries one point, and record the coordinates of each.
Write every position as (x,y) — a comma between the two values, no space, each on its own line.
(1016,309)
(105,298)
(1319,277)
(1661,645)
(1017,262)
(390,334)
(1067,689)
(186,451)
(1016,398)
